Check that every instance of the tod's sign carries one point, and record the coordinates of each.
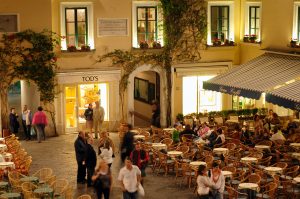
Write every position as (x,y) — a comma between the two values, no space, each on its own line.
(93,78)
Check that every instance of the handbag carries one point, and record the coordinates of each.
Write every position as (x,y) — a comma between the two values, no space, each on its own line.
(32,131)
(141,190)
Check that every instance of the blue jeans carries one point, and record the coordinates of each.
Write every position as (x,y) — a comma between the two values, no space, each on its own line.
(40,131)
(128,195)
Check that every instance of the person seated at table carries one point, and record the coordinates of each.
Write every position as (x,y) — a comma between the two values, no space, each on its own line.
(277,136)
(275,120)
(213,134)
(220,139)
(246,136)
(218,179)
(263,134)
(258,124)
(203,131)
(175,134)
(292,125)
(267,120)
(204,183)
(177,122)
(187,131)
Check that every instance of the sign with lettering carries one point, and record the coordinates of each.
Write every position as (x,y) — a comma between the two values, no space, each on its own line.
(112,27)
(90,78)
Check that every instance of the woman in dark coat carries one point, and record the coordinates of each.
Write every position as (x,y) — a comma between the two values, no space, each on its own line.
(91,161)
(13,121)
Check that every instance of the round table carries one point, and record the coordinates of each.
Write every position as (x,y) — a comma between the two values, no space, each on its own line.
(135,131)
(3,147)
(220,151)
(139,137)
(248,185)
(297,179)
(159,146)
(174,153)
(296,155)
(11,195)
(169,129)
(296,145)
(249,160)
(262,147)
(227,174)
(2,140)
(43,191)
(8,157)
(273,170)
(4,165)
(197,163)
(30,179)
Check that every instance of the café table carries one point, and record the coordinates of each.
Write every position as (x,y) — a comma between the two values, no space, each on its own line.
(296,179)
(262,147)
(296,145)
(139,137)
(11,195)
(248,185)
(4,165)
(249,160)
(30,179)
(227,174)
(197,163)
(135,131)
(2,140)
(174,153)
(273,170)
(296,155)
(8,157)
(170,130)
(3,147)
(220,151)
(159,146)
(44,191)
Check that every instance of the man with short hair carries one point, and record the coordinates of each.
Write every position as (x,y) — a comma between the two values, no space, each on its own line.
(88,113)
(81,153)
(129,177)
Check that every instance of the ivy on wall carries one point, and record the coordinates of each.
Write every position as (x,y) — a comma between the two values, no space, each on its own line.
(184,28)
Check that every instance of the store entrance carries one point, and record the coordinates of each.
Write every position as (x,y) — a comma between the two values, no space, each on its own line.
(77,98)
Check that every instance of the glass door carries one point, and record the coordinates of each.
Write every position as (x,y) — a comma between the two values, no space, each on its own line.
(71,108)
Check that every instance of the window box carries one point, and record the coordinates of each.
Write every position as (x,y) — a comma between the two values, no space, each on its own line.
(294,43)
(218,43)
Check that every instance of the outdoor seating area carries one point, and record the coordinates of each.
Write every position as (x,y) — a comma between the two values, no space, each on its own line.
(264,170)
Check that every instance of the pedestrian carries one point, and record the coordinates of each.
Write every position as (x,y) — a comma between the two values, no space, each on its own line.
(106,153)
(203,183)
(40,121)
(26,122)
(89,118)
(218,179)
(98,118)
(127,144)
(91,160)
(129,177)
(13,121)
(140,158)
(102,180)
(103,138)
(81,153)
(155,118)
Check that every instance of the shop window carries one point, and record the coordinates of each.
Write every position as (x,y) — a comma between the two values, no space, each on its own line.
(196,99)
(239,102)
(77,25)
(71,103)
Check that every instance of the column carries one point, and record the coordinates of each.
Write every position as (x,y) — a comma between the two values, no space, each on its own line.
(30,95)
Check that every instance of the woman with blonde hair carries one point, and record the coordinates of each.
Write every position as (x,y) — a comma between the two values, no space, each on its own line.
(102,180)
(107,153)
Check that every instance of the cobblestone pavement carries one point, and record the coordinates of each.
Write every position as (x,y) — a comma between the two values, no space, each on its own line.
(58,154)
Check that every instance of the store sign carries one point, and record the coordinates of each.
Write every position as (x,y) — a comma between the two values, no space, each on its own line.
(90,78)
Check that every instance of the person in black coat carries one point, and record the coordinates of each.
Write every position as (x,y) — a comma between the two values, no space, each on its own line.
(91,161)
(187,131)
(13,121)
(81,154)
(127,145)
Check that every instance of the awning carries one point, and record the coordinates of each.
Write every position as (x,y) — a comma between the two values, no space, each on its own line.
(287,96)
(256,76)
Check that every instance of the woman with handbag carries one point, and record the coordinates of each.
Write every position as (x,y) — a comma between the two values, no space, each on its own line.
(218,179)
(102,180)
(204,183)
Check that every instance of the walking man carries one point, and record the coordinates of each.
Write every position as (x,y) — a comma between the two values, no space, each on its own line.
(98,118)
(40,121)
(81,153)
(129,177)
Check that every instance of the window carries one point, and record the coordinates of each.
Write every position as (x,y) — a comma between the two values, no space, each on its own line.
(76,27)
(220,23)
(253,20)
(196,99)
(77,24)
(147,24)
(9,23)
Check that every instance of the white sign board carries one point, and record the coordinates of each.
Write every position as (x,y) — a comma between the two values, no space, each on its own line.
(112,27)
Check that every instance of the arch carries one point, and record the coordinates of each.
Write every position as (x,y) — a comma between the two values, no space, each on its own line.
(130,92)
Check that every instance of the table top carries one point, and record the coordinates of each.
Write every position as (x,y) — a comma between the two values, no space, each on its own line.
(42,190)
(139,136)
(11,195)
(220,149)
(6,163)
(248,185)
(197,163)
(2,183)
(297,179)
(158,144)
(2,139)
(134,131)
(227,173)
(296,154)
(249,159)
(7,154)
(262,146)
(274,169)
(295,144)
(169,129)
(29,179)
(3,145)
(174,152)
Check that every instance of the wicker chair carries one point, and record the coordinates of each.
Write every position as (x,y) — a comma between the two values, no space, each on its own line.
(27,189)
(269,191)
(165,163)
(265,142)
(183,149)
(14,179)
(86,196)
(282,165)
(59,186)
(291,172)
(234,194)
(253,178)
(43,174)
(167,141)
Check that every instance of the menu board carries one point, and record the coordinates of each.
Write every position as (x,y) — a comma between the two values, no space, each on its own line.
(112,27)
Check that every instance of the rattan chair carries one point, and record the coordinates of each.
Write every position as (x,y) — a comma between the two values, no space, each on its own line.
(268,191)
(86,196)
(60,186)
(27,189)
(43,174)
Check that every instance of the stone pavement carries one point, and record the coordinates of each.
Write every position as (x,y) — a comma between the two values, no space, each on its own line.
(58,154)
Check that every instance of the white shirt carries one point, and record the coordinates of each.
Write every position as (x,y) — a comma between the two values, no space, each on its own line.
(98,113)
(129,178)
(106,155)
(204,184)
(220,184)
(277,136)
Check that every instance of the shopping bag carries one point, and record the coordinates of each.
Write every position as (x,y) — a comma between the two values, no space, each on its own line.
(141,190)
(32,131)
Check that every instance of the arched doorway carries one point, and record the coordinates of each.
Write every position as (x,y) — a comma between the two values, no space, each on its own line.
(142,75)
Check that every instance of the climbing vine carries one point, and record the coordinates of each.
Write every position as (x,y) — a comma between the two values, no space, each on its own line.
(184,30)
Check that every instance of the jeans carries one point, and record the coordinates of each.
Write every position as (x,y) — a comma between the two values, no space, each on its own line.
(90,173)
(101,191)
(128,195)
(27,130)
(40,131)
(203,197)
(81,172)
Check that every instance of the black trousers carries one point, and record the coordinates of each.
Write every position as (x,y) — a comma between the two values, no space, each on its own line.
(101,191)
(27,130)
(81,172)
(203,197)
(90,173)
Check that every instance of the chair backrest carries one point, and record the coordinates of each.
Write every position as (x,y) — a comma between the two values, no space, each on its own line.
(254,178)
(229,168)
(234,117)
(43,174)
(60,186)
(86,196)
(265,142)
(282,165)
(183,149)
(203,119)
(219,120)
(167,141)
(27,189)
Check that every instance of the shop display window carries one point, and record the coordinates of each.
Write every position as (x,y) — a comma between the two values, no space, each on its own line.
(239,102)
(71,119)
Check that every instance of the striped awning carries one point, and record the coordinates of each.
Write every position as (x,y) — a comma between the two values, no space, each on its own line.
(287,96)
(256,76)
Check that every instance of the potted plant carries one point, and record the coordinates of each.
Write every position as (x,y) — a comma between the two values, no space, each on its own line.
(156,45)
(252,38)
(144,45)
(217,42)
(85,48)
(246,38)
(293,43)
(72,48)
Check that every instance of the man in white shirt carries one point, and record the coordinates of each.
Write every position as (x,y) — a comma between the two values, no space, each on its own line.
(129,177)
(98,117)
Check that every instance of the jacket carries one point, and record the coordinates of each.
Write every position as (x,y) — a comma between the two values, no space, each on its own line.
(40,118)
(137,156)
(88,113)
(91,159)
(80,149)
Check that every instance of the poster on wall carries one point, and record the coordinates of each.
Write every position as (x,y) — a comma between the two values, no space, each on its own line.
(8,23)
(112,27)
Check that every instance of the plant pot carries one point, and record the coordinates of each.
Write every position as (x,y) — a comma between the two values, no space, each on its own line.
(5,133)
